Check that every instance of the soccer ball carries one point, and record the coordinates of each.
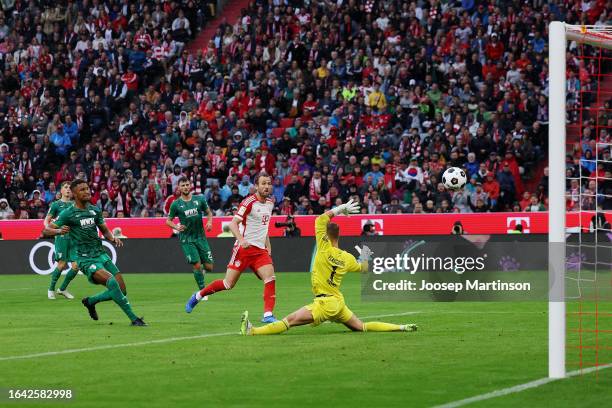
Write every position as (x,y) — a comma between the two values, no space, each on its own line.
(454,178)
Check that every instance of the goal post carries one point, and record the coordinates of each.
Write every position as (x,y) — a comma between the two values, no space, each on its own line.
(556,199)
(599,37)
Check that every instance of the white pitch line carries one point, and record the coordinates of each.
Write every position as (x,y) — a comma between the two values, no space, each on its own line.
(389,315)
(113,346)
(145,343)
(6,290)
(519,388)
(449,312)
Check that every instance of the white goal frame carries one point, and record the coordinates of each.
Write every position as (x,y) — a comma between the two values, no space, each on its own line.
(559,33)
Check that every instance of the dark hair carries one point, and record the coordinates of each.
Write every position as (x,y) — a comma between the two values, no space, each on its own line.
(65,183)
(183,180)
(77,182)
(457,228)
(260,175)
(333,230)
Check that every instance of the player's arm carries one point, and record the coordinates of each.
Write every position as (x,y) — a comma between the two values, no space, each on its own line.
(106,233)
(321,228)
(209,218)
(268,245)
(176,227)
(241,214)
(51,229)
(233,226)
(50,215)
(322,220)
(359,265)
(47,219)
(46,223)
(59,227)
(170,219)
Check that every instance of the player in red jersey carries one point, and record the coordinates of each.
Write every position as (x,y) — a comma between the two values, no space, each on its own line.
(251,250)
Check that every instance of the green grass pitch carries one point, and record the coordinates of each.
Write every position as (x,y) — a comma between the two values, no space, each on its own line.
(461,350)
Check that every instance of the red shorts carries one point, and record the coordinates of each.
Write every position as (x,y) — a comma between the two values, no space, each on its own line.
(251,257)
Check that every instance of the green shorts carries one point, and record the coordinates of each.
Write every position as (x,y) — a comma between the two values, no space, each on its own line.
(91,265)
(63,252)
(197,251)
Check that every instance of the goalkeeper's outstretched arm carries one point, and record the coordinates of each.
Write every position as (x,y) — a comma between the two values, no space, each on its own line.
(350,207)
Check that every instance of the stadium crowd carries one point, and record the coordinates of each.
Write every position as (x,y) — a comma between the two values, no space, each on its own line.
(367,98)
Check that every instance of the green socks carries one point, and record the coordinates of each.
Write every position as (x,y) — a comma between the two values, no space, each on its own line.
(198,274)
(119,298)
(54,277)
(69,277)
(100,297)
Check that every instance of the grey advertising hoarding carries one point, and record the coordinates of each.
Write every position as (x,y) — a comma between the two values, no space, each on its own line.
(165,255)
(508,257)
(150,255)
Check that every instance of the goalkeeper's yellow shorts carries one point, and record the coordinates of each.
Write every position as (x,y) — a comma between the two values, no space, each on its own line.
(330,308)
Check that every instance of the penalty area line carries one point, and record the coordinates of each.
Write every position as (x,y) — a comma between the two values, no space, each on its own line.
(113,346)
(148,342)
(11,289)
(519,388)
(388,315)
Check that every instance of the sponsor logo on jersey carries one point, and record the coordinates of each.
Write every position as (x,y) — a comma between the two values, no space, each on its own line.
(191,211)
(87,222)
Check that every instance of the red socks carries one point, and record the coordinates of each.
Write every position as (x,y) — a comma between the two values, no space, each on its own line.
(214,286)
(269,296)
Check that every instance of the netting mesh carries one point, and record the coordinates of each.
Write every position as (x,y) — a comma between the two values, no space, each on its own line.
(589,197)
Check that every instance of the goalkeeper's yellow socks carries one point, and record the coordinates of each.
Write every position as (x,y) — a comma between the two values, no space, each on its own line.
(278,327)
(387,327)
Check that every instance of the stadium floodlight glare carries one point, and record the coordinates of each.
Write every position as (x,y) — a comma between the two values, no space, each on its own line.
(559,33)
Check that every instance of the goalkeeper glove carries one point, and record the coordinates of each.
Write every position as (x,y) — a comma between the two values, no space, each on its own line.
(351,207)
(366,254)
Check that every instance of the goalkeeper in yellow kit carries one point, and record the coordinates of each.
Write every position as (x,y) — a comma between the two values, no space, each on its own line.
(330,265)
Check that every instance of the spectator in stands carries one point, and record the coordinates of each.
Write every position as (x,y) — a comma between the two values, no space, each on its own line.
(535,205)
(245,186)
(6,212)
(61,141)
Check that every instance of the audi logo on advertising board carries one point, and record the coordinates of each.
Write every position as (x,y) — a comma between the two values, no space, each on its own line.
(45,264)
